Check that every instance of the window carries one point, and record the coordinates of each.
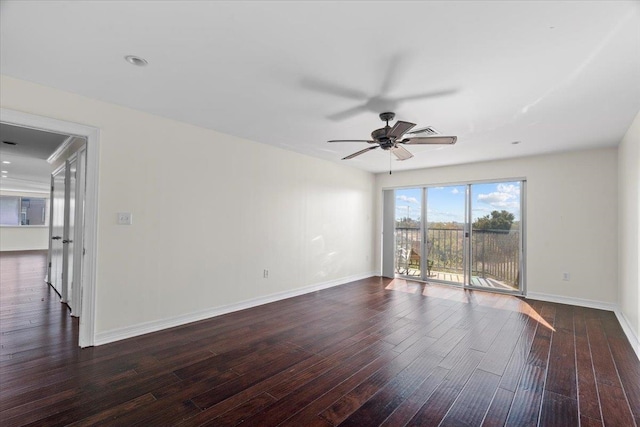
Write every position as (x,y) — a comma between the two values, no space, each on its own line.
(15,210)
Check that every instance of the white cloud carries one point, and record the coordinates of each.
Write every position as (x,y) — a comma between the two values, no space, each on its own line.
(406,199)
(509,189)
(507,197)
(455,191)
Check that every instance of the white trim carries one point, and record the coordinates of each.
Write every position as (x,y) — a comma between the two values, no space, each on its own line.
(87,319)
(600,305)
(61,149)
(453,183)
(18,185)
(634,340)
(80,157)
(157,325)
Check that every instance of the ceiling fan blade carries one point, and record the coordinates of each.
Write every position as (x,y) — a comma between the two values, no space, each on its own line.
(342,115)
(333,89)
(401,153)
(352,140)
(399,129)
(431,140)
(351,156)
(425,95)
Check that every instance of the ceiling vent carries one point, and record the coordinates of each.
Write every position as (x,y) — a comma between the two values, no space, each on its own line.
(426,131)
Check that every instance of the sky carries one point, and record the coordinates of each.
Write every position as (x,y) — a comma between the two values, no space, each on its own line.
(446,204)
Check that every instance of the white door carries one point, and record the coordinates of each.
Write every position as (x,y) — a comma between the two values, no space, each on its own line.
(69,226)
(76,248)
(57,229)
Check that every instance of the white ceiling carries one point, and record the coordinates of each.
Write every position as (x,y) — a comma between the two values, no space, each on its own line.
(555,75)
(28,169)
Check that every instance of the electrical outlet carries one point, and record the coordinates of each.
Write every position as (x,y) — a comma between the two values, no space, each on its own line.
(566,277)
(265,274)
(125,218)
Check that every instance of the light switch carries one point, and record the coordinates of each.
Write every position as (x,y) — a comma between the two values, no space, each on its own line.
(125,218)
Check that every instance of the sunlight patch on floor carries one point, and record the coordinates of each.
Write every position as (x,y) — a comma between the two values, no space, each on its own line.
(466,296)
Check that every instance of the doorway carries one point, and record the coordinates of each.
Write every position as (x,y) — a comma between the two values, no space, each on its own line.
(87,278)
(469,235)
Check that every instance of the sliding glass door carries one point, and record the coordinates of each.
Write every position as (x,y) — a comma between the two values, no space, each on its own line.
(446,225)
(466,234)
(496,235)
(409,232)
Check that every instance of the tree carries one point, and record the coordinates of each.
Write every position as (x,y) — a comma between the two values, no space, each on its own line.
(496,221)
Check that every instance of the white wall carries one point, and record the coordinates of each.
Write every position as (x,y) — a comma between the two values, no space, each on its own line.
(629,224)
(24,238)
(571,217)
(210,212)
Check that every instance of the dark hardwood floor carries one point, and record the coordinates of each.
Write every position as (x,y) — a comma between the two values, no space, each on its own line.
(372,352)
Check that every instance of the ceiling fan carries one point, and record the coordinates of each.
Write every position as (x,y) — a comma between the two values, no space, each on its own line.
(392,138)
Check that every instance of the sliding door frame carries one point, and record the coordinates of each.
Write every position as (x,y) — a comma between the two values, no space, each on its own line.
(467,233)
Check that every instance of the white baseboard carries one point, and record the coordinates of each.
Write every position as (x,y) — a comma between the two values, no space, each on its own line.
(158,325)
(628,331)
(622,319)
(600,305)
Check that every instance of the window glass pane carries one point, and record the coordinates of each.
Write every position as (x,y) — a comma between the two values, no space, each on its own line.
(9,212)
(496,226)
(33,211)
(408,237)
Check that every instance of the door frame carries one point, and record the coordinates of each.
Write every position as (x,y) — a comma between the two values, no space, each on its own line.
(390,192)
(87,321)
(522,283)
(78,232)
(60,170)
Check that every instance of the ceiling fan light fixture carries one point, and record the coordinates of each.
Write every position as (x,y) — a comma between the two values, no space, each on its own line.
(136,60)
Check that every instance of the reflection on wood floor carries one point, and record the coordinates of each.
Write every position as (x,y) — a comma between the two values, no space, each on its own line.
(445,276)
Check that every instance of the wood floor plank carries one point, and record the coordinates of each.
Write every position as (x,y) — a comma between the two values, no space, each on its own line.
(292,403)
(615,407)
(309,415)
(384,402)
(371,352)
(499,408)
(345,406)
(625,361)
(604,366)
(558,410)
(242,412)
(473,402)
(525,408)
(412,404)
(438,404)
(588,400)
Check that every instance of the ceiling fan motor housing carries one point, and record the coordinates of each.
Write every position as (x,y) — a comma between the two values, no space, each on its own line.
(380,135)
(386,117)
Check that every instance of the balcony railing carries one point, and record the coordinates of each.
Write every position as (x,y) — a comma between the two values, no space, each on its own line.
(495,253)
